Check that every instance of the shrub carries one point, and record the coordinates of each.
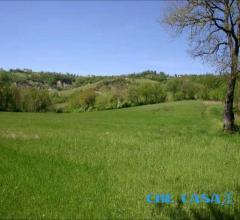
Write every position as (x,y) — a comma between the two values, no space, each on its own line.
(133,95)
(15,99)
(56,98)
(84,100)
(204,93)
(35,100)
(189,89)
(178,96)
(9,98)
(5,78)
(158,93)
(173,85)
(146,93)
(182,88)
(4,97)
(104,101)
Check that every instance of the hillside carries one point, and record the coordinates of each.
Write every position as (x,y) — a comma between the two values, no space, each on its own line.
(23,90)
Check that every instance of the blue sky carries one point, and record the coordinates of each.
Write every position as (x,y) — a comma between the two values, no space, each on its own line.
(95,37)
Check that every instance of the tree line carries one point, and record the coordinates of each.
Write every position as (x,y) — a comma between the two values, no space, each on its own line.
(125,94)
(115,92)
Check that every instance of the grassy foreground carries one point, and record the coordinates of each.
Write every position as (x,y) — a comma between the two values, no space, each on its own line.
(101,165)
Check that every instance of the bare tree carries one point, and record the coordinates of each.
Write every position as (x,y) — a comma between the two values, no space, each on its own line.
(214,34)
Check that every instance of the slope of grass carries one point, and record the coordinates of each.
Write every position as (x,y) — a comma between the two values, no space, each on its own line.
(101,165)
(69,92)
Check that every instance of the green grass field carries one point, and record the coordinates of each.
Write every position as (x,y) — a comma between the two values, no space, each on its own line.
(102,165)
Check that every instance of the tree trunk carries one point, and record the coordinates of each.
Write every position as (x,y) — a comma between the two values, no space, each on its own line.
(228,108)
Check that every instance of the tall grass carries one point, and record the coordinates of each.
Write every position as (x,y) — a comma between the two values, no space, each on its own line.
(102,165)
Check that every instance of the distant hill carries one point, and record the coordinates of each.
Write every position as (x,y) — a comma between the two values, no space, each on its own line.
(20,90)
(60,81)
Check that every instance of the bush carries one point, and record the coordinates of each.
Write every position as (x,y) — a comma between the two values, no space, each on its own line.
(158,93)
(5,78)
(59,110)
(35,100)
(189,89)
(146,93)
(182,88)
(15,99)
(173,85)
(84,100)
(133,95)
(178,96)
(104,101)
(112,99)
(56,98)
(9,98)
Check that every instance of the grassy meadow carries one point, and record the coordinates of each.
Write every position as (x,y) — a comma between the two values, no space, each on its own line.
(102,165)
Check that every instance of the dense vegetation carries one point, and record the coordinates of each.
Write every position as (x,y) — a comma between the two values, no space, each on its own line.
(23,90)
(102,164)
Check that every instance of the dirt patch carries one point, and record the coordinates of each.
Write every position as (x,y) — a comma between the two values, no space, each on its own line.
(18,135)
(212,102)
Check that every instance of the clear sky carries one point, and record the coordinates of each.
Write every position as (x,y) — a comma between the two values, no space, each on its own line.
(95,37)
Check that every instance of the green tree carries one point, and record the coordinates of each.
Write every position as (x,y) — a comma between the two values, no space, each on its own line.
(214,32)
